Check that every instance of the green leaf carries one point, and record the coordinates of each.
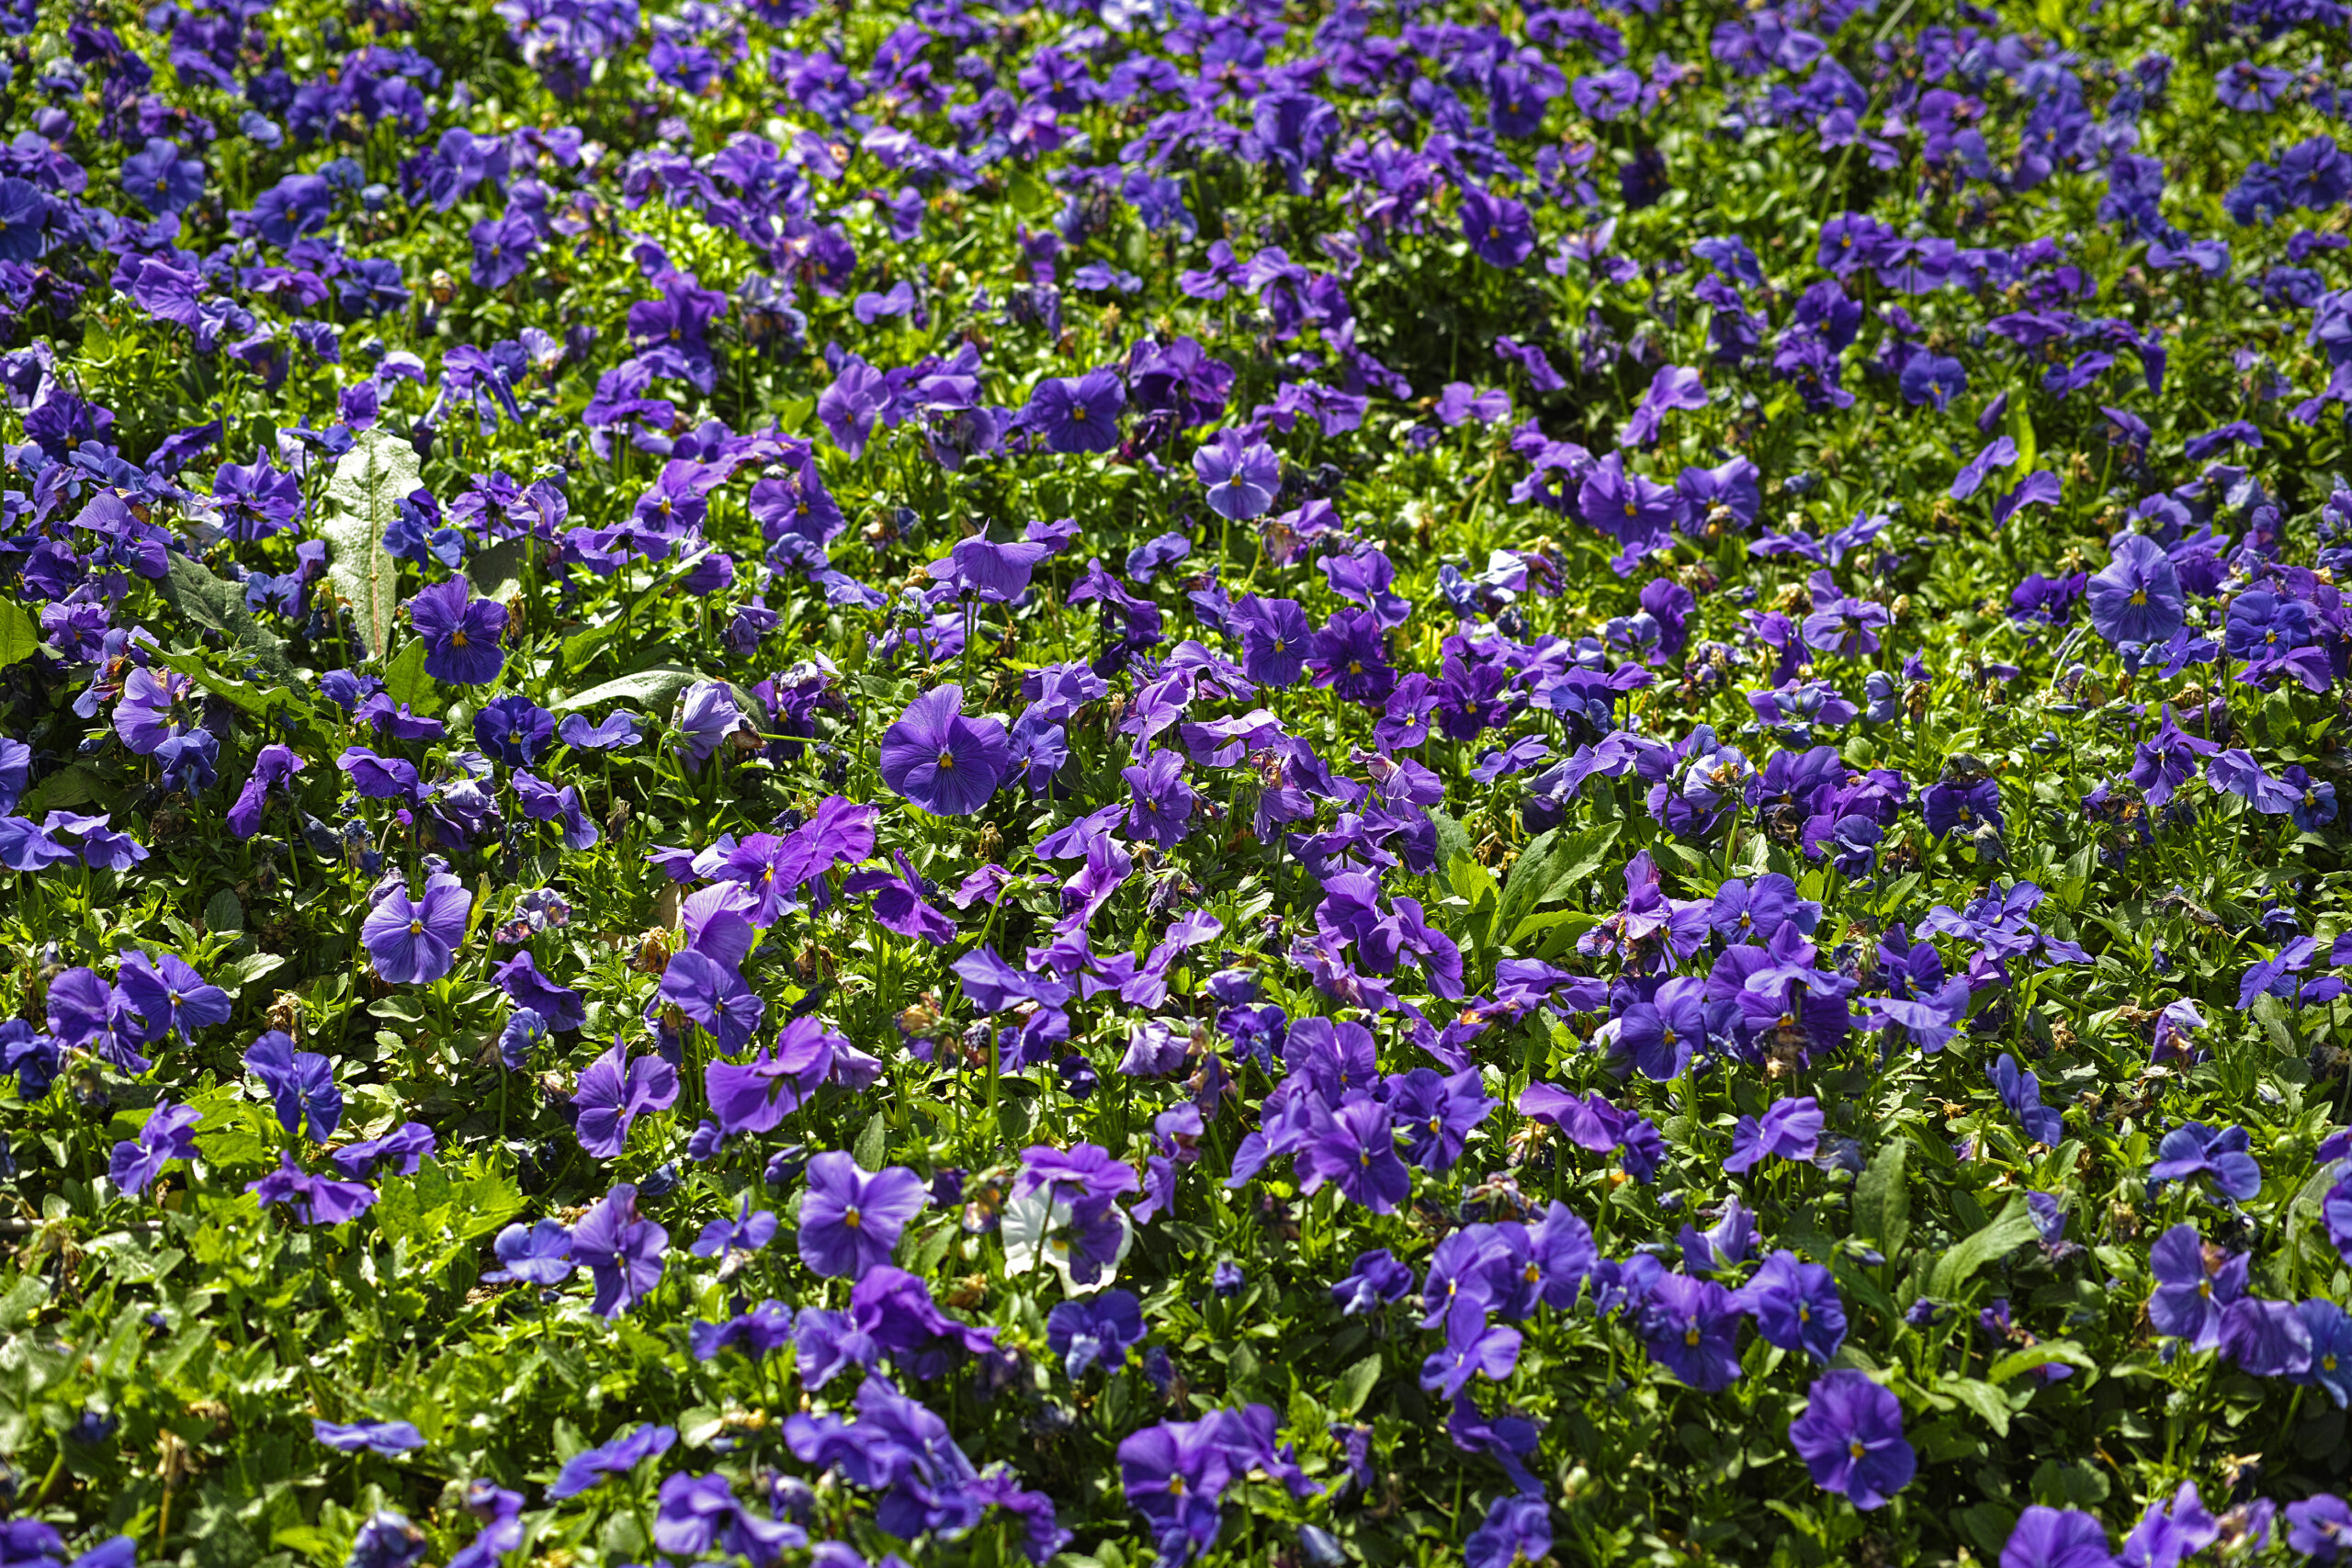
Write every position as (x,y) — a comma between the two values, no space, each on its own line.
(19,633)
(1981,1397)
(1559,928)
(260,699)
(1551,868)
(1356,1385)
(1882,1201)
(236,977)
(364,496)
(1988,1524)
(581,647)
(222,912)
(78,785)
(497,572)
(2008,1231)
(21,1301)
(873,1148)
(1453,839)
(1028,194)
(2021,432)
(653,687)
(2041,1355)
(203,599)
(406,682)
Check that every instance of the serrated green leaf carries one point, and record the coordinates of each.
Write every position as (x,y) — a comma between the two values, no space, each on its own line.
(1883,1201)
(2008,1230)
(406,682)
(205,601)
(1982,1398)
(873,1148)
(364,497)
(654,686)
(78,785)
(19,633)
(1356,1385)
(2041,1355)
(260,699)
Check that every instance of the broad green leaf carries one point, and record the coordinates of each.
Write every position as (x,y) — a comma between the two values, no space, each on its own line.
(1551,867)
(78,785)
(222,912)
(406,682)
(2021,432)
(1981,1397)
(2008,1231)
(21,1299)
(364,497)
(1555,926)
(581,647)
(873,1150)
(1453,839)
(1356,1385)
(237,974)
(217,607)
(259,698)
(653,686)
(497,572)
(19,633)
(1882,1201)
(2041,1355)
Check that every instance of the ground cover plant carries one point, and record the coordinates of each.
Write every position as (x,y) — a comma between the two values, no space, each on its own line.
(1110,783)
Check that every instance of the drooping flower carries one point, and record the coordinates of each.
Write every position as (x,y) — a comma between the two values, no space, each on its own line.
(315,1199)
(614,1091)
(168,1134)
(1796,1306)
(621,1250)
(301,1083)
(618,1456)
(1099,1330)
(2195,1149)
(389,1438)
